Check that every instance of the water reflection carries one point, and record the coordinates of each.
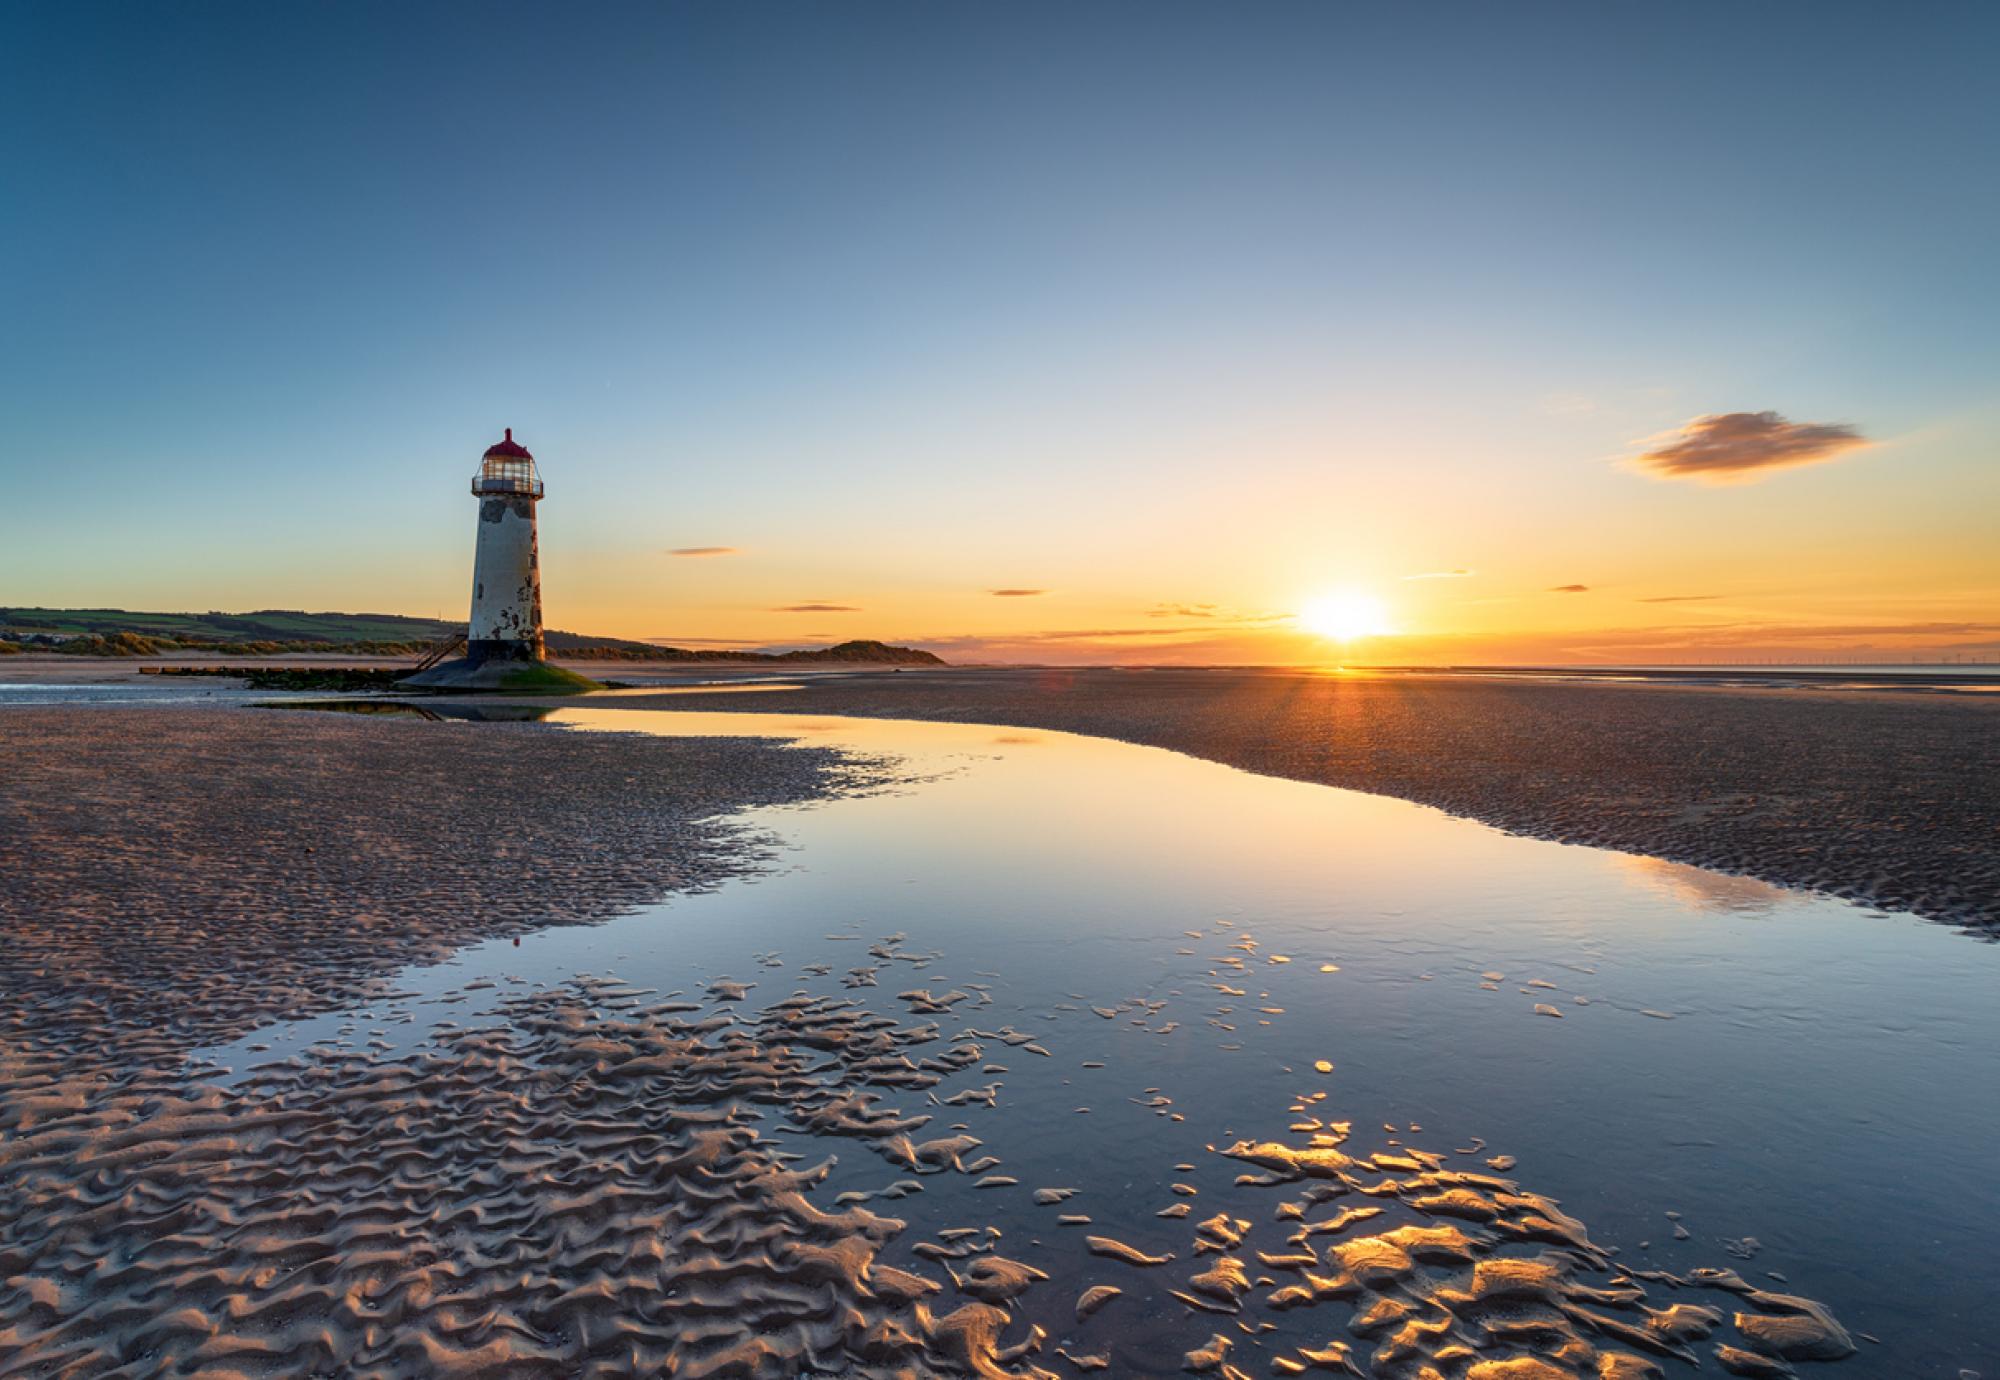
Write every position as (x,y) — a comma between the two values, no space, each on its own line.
(1702,889)
(650,689)
(430,710)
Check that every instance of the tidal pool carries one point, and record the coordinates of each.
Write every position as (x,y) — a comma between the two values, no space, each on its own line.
(1704,1071)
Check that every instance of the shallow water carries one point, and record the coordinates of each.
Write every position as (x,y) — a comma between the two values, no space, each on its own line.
(1764,1064)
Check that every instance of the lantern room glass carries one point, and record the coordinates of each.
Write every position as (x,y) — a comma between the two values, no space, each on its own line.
(501,474)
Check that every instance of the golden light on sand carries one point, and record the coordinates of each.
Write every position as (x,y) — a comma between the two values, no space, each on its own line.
(1345,616)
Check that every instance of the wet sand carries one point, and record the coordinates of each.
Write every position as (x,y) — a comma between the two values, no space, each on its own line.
(581,1189)
(175,877)
(1884,798)
(595,1183)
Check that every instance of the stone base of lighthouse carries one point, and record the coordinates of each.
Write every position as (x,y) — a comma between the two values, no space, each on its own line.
(502,649)
(500,675)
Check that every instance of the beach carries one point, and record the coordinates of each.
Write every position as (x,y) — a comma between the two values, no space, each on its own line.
(388,1043)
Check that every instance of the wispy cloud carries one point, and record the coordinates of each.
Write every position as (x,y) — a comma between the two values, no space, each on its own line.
(1221,623)
(724,643)
(1569,589)
(1732,447)
(1439,575)
(816,608)
(1057,637)
(702,551)
(1073,634)
(1015,593)
(1679,598)
(1216,616)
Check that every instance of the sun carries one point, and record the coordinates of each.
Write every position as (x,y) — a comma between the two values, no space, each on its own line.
(1346,616)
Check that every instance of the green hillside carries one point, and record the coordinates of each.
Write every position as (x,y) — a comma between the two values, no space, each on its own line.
(265,625)
(273,632)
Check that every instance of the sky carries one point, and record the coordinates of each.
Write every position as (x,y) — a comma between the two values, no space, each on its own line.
(1068,332)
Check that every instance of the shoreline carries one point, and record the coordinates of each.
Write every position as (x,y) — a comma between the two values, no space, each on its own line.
(1885,799)
(1878,796)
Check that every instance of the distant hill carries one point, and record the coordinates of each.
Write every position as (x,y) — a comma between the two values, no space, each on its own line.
(571,645)
(265,625)
(866,650)
(272,632)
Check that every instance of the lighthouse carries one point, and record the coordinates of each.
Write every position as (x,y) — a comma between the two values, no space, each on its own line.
(506,568)
(503,639)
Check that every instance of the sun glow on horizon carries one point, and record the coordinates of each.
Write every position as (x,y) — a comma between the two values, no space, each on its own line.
(1345,616)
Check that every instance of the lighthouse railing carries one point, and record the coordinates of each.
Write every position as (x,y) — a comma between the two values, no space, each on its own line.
(502,476)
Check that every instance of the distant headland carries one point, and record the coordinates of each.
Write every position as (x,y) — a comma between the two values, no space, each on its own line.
(277,632)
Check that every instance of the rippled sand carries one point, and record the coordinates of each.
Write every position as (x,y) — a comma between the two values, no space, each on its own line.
(588,1184)
(580,1188)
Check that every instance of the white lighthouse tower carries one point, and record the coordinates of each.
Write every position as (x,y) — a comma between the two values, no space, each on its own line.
(506,569)
(503,640)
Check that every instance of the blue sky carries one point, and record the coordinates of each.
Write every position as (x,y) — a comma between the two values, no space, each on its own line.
(1134,303)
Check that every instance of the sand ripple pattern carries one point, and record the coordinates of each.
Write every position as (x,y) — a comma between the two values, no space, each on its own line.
(589,1185)
(581,1190)
(1466,1276)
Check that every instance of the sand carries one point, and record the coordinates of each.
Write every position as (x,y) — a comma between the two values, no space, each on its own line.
(1883,798)
(176,877)
(576,1190)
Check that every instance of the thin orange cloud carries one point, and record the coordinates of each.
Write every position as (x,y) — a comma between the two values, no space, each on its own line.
(1015,593)
(1569,589)
(1733,447)
(816,608)
(702,551)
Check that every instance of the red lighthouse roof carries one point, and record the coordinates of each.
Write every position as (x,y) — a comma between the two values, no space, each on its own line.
(509,449)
